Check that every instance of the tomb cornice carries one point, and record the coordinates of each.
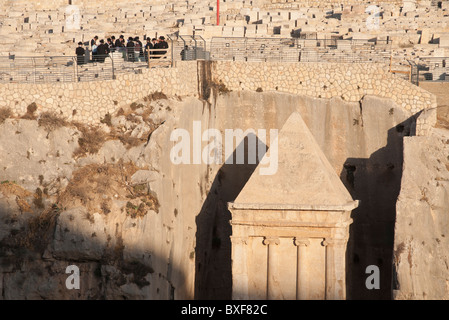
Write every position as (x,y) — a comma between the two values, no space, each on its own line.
(294,207)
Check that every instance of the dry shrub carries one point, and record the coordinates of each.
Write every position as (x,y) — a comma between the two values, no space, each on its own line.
(158,95)
(31,109)
(5,113)
(138,270)
(146,113)
(89,184)
(38,199)
(51,121)
(95,186)
(107,120)
(129,113)
(37,234)
(130,142)
(23,204)
(143,200)
(134,106)
(91,140)
(132,118)
(139,208)
(220,87)
(9,188)
(120,112)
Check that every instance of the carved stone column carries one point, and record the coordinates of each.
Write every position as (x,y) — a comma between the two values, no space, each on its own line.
(239,268)
(271,260)
(301,276)
(335,269)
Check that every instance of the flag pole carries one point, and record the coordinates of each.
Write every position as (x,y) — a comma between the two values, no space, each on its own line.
(218,12)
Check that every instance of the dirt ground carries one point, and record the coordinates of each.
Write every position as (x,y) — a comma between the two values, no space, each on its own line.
(441,90)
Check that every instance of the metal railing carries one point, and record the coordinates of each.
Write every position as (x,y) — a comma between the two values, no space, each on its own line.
(88,67)
(299,50)
(189,47)
(128,59)
(100,68)
(134,59)
(433,69)
(159,58)
(15,69)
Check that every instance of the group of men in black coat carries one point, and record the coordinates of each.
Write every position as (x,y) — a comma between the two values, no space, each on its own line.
(155,44)
(133,48)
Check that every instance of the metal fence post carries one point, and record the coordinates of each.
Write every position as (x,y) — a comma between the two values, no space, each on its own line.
(35,71)
(113,68)
(75,67)
(172,53)
(196,47)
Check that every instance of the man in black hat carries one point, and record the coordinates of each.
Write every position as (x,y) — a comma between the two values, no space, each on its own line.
(163,44)
(111,43)
(94,48)
(80,52)
(156,45)
(119,42)
(148,47)
(130,49)
(94,41)
(102,51)
(138,46)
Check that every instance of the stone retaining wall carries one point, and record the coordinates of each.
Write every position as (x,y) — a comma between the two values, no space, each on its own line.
(90,101)
(350,81)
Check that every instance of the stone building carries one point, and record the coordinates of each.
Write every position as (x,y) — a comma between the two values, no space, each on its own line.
(290,229)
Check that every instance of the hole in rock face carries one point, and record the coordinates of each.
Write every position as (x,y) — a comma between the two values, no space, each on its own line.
(350,169)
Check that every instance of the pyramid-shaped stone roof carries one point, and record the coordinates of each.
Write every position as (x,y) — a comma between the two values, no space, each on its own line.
(305,180)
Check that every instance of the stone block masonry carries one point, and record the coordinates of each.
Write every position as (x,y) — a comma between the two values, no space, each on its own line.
(92,100)
(88,102)
(350,81)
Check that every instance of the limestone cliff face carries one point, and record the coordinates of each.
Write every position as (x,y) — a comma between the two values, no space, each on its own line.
(111,201)
(421,257)
(113,209)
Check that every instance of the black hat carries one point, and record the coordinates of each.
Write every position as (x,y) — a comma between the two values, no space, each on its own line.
(101,41)
(80,43)
(162,38)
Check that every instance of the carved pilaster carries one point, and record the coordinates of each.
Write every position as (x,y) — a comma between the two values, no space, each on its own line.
(335,269)
(301,275)
(270,242)
(239,268)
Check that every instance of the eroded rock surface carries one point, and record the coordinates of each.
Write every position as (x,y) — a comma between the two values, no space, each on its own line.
(90,197)
(421,256)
